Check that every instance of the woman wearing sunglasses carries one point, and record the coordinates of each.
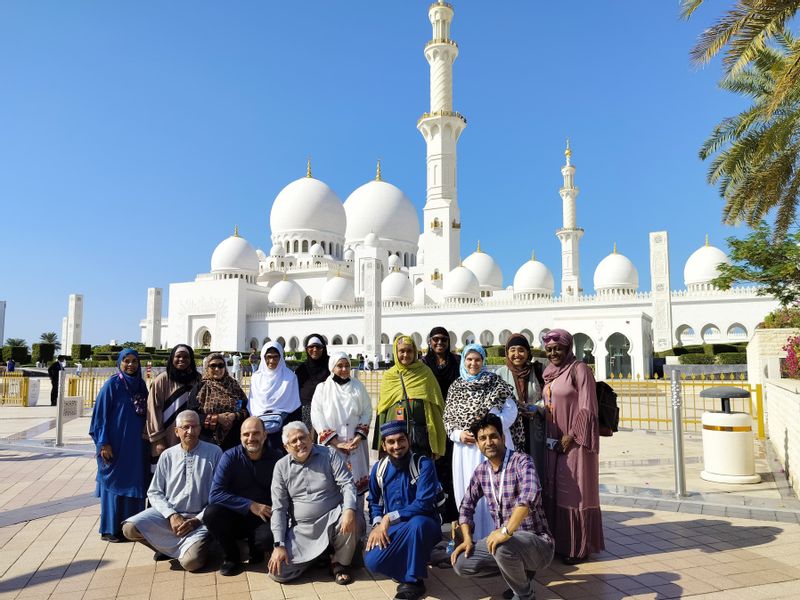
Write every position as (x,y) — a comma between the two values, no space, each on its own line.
(220,402)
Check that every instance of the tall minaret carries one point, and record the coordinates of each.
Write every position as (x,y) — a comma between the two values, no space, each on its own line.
(569,234)
(441,128)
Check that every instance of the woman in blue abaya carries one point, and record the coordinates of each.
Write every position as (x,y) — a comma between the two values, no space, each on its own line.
(122,451)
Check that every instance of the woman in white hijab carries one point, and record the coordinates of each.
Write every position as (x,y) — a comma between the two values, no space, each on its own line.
(274,394)
(341,412)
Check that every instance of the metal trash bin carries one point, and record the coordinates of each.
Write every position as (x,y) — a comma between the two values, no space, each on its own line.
(728,455)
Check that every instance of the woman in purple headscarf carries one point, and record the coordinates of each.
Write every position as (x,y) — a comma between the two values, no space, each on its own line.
(571,483)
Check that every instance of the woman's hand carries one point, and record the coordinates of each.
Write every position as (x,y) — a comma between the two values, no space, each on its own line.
(226,419)
(467,438)
(566,442)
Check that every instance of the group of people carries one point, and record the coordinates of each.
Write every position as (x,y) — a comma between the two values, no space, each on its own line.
(511,455)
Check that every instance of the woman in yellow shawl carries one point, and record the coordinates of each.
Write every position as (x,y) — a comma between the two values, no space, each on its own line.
(410,392)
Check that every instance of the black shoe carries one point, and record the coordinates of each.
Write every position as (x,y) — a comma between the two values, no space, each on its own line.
(257,556)
(410,591)
(230,568)
(111,538)
(159,556)
(508,594)
(572,560)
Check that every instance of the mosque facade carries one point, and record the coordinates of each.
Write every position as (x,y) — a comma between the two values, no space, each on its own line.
(364,270)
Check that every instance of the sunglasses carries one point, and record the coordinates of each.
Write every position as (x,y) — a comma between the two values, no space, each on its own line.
(216,366)
(440,339)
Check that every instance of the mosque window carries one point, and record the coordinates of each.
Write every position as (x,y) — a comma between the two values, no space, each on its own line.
(305,245)
(296,246)
(337,340)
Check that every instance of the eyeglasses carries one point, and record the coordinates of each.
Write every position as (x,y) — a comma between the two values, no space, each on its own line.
(216,366)
(439,339)
(188,427)
(272,357)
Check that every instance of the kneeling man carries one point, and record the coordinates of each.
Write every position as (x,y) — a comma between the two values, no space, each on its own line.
(402,507)
(178,495)
(314,486)
(521,541)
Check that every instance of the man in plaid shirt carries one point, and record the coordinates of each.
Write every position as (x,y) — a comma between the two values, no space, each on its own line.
(521,542)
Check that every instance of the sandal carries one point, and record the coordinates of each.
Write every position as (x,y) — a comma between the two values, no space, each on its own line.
(341,574)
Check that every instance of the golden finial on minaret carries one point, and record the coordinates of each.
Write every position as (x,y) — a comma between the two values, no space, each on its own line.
(479,247)
(378,171)
(706,239)
(568,152)
(235,231)
(615,247)
(308,168)
(533,255)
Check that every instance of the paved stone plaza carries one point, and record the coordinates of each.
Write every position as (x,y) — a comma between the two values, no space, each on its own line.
(722,542)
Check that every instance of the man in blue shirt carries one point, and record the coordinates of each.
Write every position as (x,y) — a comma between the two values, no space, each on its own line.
(240,503)
(405,524)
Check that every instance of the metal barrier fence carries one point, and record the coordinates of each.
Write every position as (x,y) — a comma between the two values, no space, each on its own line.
(643,403)
(13,389)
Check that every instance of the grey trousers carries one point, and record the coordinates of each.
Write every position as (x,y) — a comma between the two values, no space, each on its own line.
(517,561)
(344,546)
(194,558)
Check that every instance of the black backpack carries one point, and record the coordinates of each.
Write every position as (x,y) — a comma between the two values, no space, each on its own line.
(414,469)
(607,409)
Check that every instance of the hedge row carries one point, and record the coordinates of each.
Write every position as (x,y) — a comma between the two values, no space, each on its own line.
(18,353)
(723,358)
(43,353)
(709,349)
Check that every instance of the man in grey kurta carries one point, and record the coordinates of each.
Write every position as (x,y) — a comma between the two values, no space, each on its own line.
(313,484)
(173,525)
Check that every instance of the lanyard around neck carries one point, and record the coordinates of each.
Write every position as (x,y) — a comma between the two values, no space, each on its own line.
(497,492)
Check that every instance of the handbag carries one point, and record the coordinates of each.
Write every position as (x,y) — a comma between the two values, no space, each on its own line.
(417,433)
(273,421)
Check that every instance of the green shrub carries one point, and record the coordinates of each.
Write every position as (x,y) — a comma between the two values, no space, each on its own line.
(782,318)
(732,358)
(696,358)
(721,348)
(81,351)
(43,353)
(665,353)
(495,351)
(18,353)
(538,352)
(495,360)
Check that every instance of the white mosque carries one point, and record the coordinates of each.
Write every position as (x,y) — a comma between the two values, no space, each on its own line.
(363,271)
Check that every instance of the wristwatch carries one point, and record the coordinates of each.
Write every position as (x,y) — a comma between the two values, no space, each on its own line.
(505,531)
(278,545)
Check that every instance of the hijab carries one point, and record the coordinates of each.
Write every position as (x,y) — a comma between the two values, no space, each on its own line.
(215,396)
(445,373)
(521,374)
(419,382)
(313,371)
(563,338)
(339,403)
(332,362)
(273,389)
(188,375)
(135,385)
(465,375)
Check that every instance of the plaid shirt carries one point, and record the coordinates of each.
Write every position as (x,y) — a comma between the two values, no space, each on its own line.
(520,487)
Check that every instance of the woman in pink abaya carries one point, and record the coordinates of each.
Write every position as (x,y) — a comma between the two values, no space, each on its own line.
(571,479)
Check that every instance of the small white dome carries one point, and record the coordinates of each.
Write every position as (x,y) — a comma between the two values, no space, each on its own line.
(371,240)
(396,287)
(394,262)
(307,204)
(703,265)
(383,209)
(337,291)
(317,251)
(286,294)
(534,278)
(349,254)
(461,284)
(260,254)
(616,273)
(277,250)
(234,254)
(486,270)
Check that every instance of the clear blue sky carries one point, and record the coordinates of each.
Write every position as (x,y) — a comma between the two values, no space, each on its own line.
(135,135)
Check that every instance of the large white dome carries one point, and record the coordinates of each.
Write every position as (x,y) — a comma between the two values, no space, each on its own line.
(703,265)
(383,209)
(286,294)
(486,270)
(234,255)
(396,287)
(307,204)
(616,273)
(461,284)
(337,291)
(534,278)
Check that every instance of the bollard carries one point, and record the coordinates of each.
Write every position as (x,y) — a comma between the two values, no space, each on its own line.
(677,434)
(62,380)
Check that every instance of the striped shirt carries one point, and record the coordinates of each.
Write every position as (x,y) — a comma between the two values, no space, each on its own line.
(514,484)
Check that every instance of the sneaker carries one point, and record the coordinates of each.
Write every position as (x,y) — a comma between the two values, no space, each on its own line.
(111,538)
(159,556)
(410,591)
(230,568)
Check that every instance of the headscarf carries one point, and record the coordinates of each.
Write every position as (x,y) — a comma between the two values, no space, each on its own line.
(213,397)
(273,389)
(189,374)
(445,373)
(420,384)
(465,375)
(135,385)
(332,361)
(340,404)
(563,338)
(521,374)
(313,371)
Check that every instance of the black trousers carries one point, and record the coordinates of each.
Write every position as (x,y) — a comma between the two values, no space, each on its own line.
(54,393)
(229,526)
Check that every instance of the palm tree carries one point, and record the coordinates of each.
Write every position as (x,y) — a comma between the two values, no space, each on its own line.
(746,30)
(757,163)
(50,337)
(16,342)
